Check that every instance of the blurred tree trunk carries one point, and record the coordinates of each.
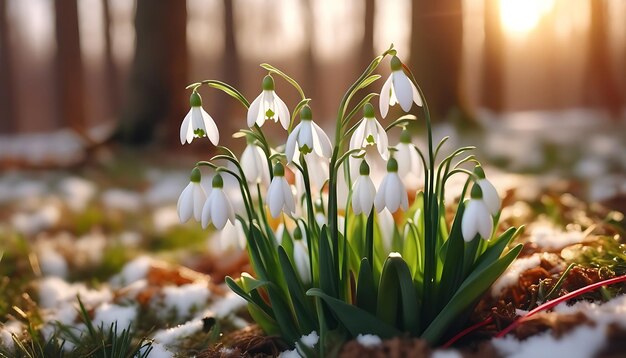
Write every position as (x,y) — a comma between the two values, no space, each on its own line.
(8,110)
(310,66)
(492,91)
(367,46)
(69,67)
(110,69)
(230,67)
(157,100)
(601,87)
(436,54)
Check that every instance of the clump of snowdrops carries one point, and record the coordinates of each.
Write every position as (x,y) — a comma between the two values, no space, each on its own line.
(335,247)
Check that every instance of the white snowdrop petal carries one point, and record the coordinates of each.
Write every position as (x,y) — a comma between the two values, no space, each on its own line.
(394,191)
(383,99)
(288,199)
(186,133)
(199,197)
(404,92)
(290,147)
(416,96)
(211,129)
(484,220)
(282,111)
(359,135)
(301,259)
(324,141)
(219,210)
(469,228)
(490,196)
(356,197)
(196,119)
(368,193)
(274,197)
(206,210)
(185,204)
(253,110)
(379,201)
(382,142)
(305,137)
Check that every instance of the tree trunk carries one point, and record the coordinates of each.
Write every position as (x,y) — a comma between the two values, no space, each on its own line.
(8,109)
(310,65)
(69,67)
(157,99)
(601,88)
(367,46)
(110,69)
(436,54)
(230,68)
(492,85)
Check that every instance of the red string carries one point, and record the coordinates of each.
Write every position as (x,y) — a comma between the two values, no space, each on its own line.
(558,300)
(467,331)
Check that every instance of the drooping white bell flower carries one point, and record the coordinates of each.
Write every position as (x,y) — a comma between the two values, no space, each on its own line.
(490,194)
(409,164)
(232,237)
(398,89)
(370,132)
(308,137)
(198,123)
(192,198)
(279,196)
(217,209)
(301,256)
(391,193)
(268,106)
(363,191)
(254,165)
(476,217)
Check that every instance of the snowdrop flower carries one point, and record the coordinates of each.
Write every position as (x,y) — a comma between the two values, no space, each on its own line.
(370,132)
(398,89)
(254,164)
(198,123)
(363,191)
(490,195)
(232,237)
(279,195)
(301,256)
(268,106)
(476,217)
(192,198)
(217,209)
(391,193)
(308,136)
(409,163)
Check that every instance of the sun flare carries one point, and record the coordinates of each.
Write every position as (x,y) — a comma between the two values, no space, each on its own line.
(521,16)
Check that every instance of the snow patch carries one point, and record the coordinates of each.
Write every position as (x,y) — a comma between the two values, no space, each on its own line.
(510,277)
(120,199)
(135,270)
(77,192)
(546,235)
(107,314)
(184,298)
(369,340)
(172,335)
(164,218)
(55,292)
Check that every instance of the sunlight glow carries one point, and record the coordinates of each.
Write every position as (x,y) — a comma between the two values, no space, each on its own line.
(522,16)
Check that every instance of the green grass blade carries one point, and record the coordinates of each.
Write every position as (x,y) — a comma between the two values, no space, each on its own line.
(366,288)
(396,282)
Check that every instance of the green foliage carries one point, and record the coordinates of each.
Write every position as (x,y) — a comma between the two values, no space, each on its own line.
(421,279)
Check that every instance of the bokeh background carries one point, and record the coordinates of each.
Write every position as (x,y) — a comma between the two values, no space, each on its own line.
(544,80)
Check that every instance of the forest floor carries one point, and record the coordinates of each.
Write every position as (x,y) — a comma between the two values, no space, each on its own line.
(108,232)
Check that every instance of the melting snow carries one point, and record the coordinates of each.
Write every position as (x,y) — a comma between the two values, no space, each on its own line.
(120,199)
(184,298)
(107,314)
(368,340)
(170,336)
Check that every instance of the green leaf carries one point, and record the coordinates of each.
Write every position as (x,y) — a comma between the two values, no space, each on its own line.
(354,319)
(301,305)
(246,295)
(452,272)
(283,315)
(471,289)
(396,282)
(366,288)
(496,249)
(328,274)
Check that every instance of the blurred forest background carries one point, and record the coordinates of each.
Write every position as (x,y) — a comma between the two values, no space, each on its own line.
(123,65)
